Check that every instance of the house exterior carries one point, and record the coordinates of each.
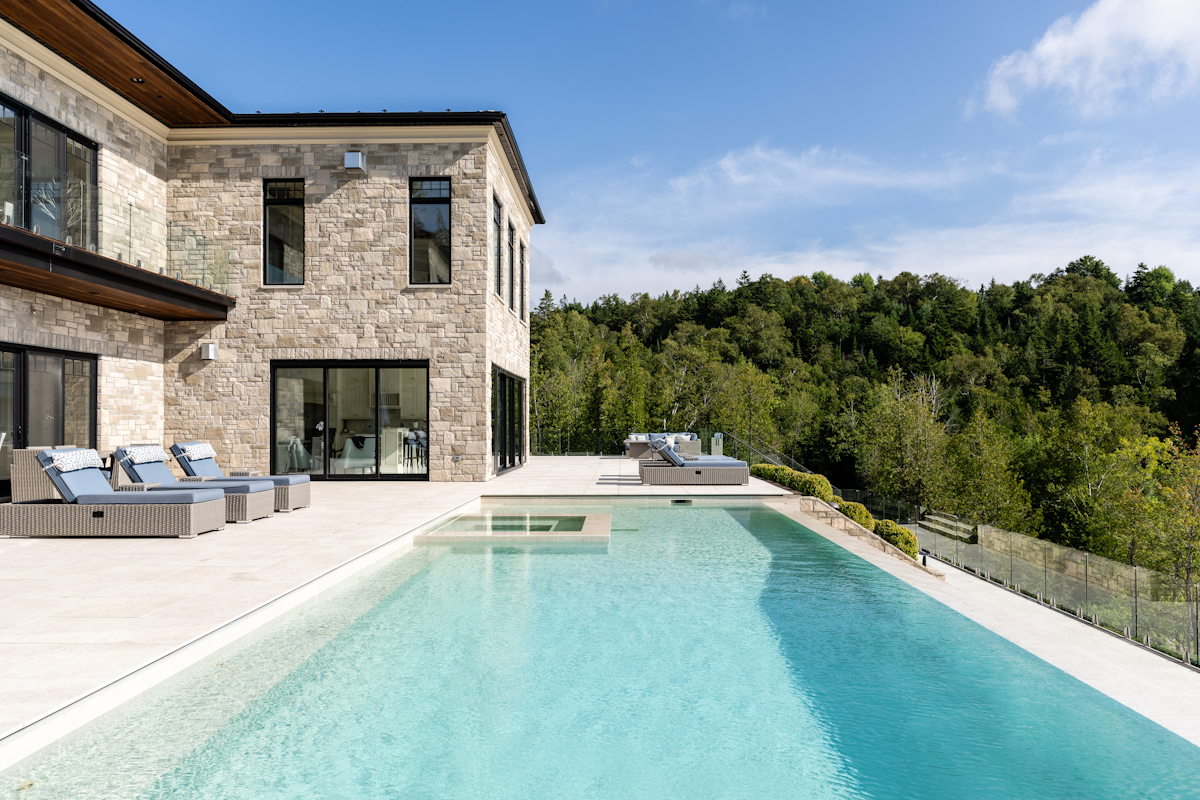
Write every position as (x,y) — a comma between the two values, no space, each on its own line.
(344,294)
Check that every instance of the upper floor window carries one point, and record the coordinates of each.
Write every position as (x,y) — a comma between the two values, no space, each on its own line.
(497,228)
(283,246)
(522,280)
(47,178)
(429,203)
(512,273)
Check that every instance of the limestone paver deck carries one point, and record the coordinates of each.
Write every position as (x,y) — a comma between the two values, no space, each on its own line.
(78,613)
(1154,687)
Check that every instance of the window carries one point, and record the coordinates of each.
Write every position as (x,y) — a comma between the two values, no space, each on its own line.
(497,216)
(47,178)
(508,420)
(429,202)
(522,280)
(512,273)
(283,216)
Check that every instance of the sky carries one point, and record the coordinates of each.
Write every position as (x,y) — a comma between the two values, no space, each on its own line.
(675,143)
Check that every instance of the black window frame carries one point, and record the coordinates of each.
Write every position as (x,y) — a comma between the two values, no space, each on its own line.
(508,420)
(512,272)
(524,309)
(497,232)
(24,116)
(268,202)
(412,250)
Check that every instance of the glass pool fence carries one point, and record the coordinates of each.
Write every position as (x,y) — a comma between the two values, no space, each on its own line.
(1157,609)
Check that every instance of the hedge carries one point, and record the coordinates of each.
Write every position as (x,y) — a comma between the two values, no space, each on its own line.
(898,535)
(806,483)
(858,512)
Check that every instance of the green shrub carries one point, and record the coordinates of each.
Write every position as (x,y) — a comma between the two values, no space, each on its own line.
(838,500)
(899,536)
(858,512)
(805,483)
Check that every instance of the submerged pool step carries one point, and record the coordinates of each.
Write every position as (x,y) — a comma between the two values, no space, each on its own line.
(520,529)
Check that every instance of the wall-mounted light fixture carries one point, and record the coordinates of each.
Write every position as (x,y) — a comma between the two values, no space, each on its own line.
(208,352)
(356,163)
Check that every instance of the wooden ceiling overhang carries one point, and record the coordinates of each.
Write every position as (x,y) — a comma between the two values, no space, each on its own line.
(33,262)
(93,41)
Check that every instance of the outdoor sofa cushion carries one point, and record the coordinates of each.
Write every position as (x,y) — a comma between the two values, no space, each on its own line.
(207,467)
(159,472)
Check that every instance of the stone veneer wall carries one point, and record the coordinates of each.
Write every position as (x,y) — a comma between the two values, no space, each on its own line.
(130,382)
(508,334)
(356,302)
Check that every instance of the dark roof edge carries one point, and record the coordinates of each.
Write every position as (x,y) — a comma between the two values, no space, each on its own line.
(496,119)
(140,47)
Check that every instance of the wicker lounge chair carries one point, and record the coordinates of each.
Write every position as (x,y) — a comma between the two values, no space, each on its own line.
(92,508)
(200,460)
(245,500)
(678,471)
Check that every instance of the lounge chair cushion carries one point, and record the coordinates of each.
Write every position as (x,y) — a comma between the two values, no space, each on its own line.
(197,451)
(173,497)
(208,468)
(71,460)
(203,467)
(87,480)
(229,485)
(146,454)
(148,471)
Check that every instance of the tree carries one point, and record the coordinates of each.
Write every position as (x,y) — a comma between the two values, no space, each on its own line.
(902,440)
(982,484)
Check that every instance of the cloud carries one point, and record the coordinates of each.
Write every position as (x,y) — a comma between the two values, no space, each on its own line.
(769,210)
(1115,53)
(541,269)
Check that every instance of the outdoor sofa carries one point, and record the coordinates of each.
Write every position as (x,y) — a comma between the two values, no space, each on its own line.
(676,470)
(199,460)
(245,500)
(91,507)
(637,445)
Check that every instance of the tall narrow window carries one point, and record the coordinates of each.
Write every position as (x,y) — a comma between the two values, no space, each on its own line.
(283,248)
(12,177)
(522,280)
(430,231)
(512,273)
(497,228)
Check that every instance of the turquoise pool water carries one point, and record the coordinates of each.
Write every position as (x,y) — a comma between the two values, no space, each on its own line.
(704,653)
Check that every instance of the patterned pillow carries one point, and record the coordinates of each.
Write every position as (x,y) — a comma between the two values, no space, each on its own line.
(199,452)
(147,453)
(72,460)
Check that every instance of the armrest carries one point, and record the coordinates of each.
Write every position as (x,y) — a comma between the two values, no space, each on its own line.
(138,487)
(243,473)
(196,478)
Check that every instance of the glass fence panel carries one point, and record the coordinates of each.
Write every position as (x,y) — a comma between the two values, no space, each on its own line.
(1109,593)
(1028,565)
(997,553)
(1066,578)
(1165,617)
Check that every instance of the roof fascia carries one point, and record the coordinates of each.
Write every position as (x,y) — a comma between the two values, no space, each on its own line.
(52,63)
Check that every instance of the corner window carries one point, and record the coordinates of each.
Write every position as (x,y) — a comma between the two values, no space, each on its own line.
(283,218)
(522,280)
(497,227)
(512,273)
(429,203)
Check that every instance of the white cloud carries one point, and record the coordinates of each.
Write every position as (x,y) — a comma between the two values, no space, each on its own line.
(1115,53)
(541,269)
(624,234)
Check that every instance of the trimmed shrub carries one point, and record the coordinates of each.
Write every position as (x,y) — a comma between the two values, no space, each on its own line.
(858,512)
(838,500)
(805,483)
(899,536)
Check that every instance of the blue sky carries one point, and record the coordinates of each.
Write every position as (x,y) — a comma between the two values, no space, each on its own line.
(674,143)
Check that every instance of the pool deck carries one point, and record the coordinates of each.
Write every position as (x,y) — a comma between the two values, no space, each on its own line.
(79,614)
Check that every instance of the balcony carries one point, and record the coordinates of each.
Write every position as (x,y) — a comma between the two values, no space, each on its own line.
(62,236)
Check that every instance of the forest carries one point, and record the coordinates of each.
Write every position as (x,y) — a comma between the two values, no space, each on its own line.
(1062,406)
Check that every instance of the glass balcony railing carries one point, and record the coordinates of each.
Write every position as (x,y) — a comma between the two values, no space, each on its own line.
(57,204)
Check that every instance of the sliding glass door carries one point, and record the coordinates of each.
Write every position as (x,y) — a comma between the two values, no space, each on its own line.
(508,420)
(348,420)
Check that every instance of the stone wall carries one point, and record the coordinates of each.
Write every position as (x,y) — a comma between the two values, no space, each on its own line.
(130,381)
(355,303)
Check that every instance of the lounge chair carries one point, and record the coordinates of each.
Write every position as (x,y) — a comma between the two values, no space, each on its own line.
(245,500)
(678,471)
(92,508)
(199,460)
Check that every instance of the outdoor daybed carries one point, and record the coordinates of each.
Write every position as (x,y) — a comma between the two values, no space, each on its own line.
(93,508)
(678,471)
(199,459)
(637,445)
(245,500)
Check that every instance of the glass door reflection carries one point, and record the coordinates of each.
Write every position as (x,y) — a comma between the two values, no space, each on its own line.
(354,443)
(403,421)
(300,420)
(8,419)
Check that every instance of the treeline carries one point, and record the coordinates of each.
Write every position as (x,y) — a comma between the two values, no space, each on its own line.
(1010,403)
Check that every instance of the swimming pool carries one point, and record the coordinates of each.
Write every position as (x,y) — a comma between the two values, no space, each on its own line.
(710,651)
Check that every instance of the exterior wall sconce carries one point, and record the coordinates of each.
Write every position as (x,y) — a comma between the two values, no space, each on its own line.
(208,352)
(356,163)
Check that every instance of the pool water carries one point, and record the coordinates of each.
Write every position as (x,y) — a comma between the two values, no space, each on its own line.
(706,652)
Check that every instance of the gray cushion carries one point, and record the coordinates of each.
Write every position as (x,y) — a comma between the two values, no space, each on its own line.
(229,486)
(201,467)
(176,497)
(288,480)
(71,484)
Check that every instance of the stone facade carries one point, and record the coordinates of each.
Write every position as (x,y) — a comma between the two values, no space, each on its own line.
(355,303)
